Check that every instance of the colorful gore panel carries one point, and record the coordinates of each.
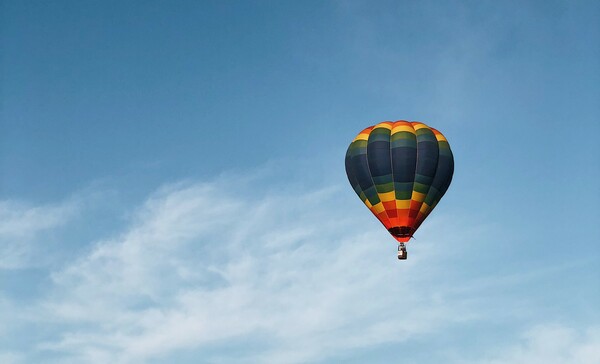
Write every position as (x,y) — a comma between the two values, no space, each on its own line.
(400,170)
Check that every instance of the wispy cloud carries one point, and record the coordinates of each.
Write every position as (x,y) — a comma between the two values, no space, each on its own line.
(199,265)
(550,344)
(21,226)
(10,358)
(284,276)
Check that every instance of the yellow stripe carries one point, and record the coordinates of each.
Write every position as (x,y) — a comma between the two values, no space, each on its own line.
(378,208)
(424,208)
(400,128)
(362,196)
(418,126)
(368,204)
(387,196)
(440,137)
(417,196)
(402,204)
(362,136)
(384,125)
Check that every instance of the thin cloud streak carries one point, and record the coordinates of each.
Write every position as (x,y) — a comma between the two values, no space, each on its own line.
(21,227)
(302,276)
(550,344)
(198,266)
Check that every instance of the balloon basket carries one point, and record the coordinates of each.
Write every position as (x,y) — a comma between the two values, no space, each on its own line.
(402,254)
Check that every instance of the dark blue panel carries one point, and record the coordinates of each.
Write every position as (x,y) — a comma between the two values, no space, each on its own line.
(404,162)
(380,162)
(427,158)
(360,167)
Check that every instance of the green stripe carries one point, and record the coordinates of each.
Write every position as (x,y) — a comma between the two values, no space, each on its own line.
(379,134)
(421,188)
(431,196)
(386,187)
(403,195)
(424,180)
(411,143)
(371,194)
(379,180)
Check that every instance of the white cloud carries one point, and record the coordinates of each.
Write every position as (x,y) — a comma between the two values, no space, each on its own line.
(281,277)
(21,226)
(551,344)
(11,358)
(200,266)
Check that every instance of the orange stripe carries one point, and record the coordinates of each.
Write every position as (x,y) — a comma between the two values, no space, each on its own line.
(384,219)
(390,206)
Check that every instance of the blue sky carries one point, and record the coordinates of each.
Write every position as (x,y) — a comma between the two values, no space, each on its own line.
(172,184)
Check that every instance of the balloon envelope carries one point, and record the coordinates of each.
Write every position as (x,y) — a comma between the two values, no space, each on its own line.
(400,170)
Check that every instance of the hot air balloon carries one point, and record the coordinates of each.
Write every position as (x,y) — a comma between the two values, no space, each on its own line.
(400,170)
